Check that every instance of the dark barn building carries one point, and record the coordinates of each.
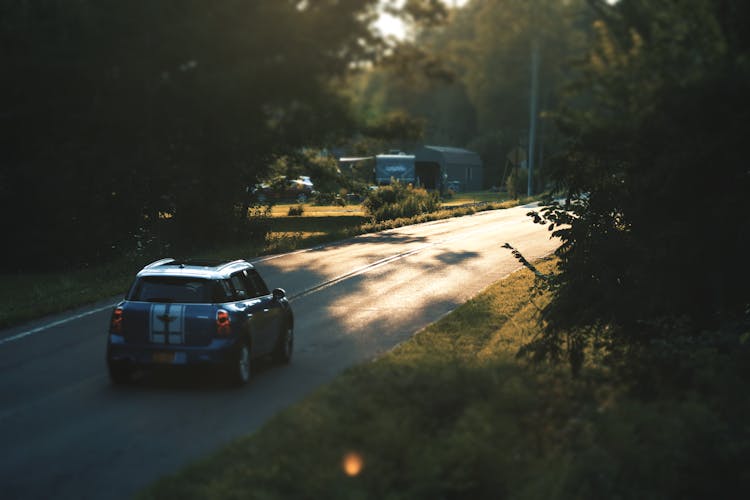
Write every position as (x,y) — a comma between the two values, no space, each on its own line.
(439,167)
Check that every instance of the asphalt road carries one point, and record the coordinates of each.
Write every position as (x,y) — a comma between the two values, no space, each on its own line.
(66,433)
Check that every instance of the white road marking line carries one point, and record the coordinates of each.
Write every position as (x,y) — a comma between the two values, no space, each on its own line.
(378,263)
(357,272)
(55,323)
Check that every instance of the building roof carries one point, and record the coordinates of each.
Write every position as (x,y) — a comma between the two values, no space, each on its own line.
(451,154)
(449,149)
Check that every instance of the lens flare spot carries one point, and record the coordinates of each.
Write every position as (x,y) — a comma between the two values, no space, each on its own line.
(352,463)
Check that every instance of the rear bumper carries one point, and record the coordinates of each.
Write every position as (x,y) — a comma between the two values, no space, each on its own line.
(218,352)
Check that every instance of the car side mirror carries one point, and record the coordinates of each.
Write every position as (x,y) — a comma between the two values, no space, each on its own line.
(279,293)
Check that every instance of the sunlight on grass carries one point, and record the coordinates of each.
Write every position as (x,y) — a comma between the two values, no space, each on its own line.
(476,197)
(276,235)
(311,210)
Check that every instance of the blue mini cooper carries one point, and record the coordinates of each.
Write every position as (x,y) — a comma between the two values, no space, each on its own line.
(199,313)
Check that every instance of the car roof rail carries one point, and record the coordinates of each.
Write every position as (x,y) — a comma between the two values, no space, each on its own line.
(158,263)
(231,264)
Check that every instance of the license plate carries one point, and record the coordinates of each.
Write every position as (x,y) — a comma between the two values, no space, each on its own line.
(163,357)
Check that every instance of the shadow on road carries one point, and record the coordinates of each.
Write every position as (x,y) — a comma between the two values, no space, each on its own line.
(192,379)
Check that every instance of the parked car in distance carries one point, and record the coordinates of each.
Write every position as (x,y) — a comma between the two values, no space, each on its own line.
(199,312)
(281,188)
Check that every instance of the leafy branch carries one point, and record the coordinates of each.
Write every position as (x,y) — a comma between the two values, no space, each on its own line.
(520,258)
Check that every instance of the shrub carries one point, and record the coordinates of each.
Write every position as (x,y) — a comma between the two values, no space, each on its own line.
(517,182)
(399,200)
(296,211)
(637,250)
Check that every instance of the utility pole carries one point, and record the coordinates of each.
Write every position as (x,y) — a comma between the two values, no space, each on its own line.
(533,111)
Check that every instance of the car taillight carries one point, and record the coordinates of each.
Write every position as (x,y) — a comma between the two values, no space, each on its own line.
(223,324)
(116,324)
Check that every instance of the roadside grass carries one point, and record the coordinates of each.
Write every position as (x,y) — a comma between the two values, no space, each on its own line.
(30,295)
(312,210)
(451,413)
(476,197)
(27,296)
(292,232)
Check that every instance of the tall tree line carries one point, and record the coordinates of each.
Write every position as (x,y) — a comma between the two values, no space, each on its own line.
(115,115)
(654,234)
(644,104)
(469,77)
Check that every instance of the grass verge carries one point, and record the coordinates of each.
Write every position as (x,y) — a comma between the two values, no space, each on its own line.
(452,413)
(476,197)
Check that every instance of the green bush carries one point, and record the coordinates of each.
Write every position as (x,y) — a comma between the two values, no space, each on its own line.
(296,211)
(638,252)
(517,182)
(399,201)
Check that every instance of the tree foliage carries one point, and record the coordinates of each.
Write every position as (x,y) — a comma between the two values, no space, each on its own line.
(117,113)
(322,168)
(468,76)
(655,174)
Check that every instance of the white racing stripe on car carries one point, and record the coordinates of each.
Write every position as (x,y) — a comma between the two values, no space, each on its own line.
(38,329)
(166,324)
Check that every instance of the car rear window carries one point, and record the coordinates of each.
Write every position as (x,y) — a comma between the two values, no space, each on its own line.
(176,289)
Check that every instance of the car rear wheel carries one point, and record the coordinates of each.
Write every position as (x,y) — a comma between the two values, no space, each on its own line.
(284,346)
(120,372)
(240,368)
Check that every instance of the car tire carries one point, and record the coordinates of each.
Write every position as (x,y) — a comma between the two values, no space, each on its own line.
(240,369)
(284,346)
(120,373)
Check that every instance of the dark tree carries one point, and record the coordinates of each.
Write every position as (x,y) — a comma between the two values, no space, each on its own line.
(654,227)
(116,115)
